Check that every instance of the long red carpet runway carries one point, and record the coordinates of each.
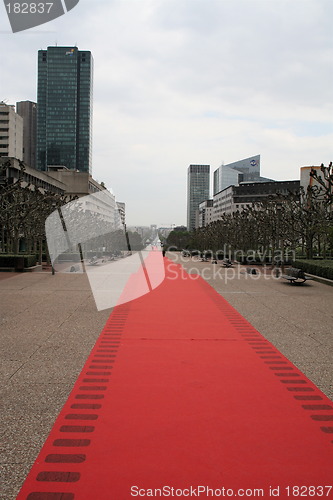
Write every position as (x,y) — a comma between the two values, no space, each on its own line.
(182,397)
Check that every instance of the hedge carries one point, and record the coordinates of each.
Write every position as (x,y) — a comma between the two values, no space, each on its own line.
(323,268)
(14,260)
(69,257)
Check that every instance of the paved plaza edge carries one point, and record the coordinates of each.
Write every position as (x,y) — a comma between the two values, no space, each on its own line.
(49,325)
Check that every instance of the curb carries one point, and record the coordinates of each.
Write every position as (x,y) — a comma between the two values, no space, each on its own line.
(325,281)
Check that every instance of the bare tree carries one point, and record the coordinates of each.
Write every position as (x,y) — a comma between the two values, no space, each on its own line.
(324,185)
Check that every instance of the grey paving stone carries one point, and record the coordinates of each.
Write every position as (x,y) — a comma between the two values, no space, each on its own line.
(296,319)
(49,325)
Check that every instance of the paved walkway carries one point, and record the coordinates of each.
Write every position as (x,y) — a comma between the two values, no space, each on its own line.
(46,343)
(296,319)
(49,325)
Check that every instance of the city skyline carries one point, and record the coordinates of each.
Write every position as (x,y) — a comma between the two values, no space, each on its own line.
(176,85)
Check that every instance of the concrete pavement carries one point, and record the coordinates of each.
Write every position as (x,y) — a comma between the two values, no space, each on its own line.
(297,319)
(49,325)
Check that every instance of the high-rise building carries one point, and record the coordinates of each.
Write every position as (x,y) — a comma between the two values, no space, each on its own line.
(198,177)
(122,211)
(11,132)
(64,111)
(247,170)
(205,213)
(28,111)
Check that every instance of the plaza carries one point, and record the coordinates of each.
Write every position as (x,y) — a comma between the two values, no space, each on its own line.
(50,326)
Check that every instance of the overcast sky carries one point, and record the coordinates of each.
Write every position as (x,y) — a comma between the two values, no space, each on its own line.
(191,81)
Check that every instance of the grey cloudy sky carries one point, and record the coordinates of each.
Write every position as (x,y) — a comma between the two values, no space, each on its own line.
(191,81)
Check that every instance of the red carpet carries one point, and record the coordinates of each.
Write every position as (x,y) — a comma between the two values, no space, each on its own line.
(182,392)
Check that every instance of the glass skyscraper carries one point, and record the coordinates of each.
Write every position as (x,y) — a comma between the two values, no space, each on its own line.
(64,111)
(247,170)
(198,177)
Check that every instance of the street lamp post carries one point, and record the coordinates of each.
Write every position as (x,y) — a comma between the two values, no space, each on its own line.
(280,238)
(54,204)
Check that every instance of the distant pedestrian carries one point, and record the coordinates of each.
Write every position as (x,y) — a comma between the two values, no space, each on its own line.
(163,252)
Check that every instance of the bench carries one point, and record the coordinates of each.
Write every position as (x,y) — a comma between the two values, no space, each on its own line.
(74,269)
(93,261)
(251,270)
(295,275)
(185,253)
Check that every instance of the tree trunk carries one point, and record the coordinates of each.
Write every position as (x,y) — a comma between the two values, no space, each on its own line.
(309,246)
(16,241)
(41,251)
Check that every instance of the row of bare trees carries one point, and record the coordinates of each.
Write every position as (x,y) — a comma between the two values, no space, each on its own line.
(23,211)
(24,208)
(288,225)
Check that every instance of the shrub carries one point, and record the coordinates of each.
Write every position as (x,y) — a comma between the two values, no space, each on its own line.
(323,268)
(13,260)
(69,257)
(30,260)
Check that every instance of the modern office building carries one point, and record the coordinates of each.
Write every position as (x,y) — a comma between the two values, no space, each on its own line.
(122,211)
(205,214)
(64,108)
(247,170)
(198,177)
(12,172)
(247,194)
(11,132)
(57,179)
(306,179)
(28,111)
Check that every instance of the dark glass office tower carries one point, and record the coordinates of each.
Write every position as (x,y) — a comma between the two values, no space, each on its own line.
(198,177)
(64,112)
